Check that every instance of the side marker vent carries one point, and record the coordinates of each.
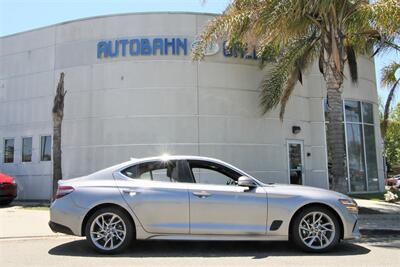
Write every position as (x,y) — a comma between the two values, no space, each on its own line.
(275,225)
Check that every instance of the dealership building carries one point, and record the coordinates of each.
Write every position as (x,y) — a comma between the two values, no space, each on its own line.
(133,91)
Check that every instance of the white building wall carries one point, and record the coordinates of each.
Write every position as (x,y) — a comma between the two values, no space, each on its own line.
(123,107)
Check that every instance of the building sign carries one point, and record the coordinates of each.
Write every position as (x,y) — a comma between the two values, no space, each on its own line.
(163,46)
(142,47)
(241,53)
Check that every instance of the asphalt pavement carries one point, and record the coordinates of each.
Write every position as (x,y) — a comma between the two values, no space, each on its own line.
(66,251)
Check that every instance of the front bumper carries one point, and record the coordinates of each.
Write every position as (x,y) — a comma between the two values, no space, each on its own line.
(350,225)
(355,234)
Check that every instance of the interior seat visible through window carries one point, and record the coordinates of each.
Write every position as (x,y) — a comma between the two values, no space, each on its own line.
(163,171)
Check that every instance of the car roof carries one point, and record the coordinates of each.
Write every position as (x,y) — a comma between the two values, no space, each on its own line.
(175,157)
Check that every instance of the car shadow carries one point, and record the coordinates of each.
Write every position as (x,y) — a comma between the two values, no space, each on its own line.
(256,250)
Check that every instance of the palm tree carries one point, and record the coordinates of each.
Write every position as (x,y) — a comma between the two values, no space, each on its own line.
(296,33)
(58,115)
(389,80)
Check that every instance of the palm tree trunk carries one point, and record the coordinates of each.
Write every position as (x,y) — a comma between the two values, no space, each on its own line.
(58,114)
(387,108)
(335,133)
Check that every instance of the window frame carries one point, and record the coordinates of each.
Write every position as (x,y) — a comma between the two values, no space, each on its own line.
(362,124)
(184,161)
(22,149)
(4,150)
(40,148)
(208,163)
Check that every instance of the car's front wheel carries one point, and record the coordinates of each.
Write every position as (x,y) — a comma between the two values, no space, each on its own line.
(109,230)
(315,229)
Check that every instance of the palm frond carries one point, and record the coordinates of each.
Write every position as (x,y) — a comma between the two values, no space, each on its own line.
(352,63)
(280,80)
(385,16)
(233,24)
(388,74)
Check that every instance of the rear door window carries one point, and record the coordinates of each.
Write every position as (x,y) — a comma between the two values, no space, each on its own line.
(162,171)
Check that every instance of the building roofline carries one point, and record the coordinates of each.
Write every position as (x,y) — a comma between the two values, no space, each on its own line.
(112,15)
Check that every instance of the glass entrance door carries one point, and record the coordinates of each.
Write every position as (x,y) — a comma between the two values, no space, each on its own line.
(295,164)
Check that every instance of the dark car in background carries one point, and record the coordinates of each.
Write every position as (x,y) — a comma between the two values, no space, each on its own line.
(8,189)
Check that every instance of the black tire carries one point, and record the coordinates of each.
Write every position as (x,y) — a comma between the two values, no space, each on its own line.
(128,225)
(6,202)
(295,232)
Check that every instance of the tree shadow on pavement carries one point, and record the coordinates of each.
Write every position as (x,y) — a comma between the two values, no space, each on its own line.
(256,250)
(382,240)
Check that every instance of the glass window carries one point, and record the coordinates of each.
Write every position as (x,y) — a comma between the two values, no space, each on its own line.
(326,109)
(370,149)
(211,173)
(9,150)
(368,115)
(162,171)
(356,157)
(45,148)
(295,163)
(353,111)
(27,149)
(361,147)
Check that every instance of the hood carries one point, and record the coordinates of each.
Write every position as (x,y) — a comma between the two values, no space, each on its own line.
(302,190)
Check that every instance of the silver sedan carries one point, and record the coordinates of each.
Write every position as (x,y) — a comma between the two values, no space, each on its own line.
(197,198)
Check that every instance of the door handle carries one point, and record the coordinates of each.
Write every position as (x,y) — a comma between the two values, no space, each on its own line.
(130,192)
(201,194)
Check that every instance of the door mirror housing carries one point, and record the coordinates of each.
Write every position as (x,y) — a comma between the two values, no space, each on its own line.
(246,182)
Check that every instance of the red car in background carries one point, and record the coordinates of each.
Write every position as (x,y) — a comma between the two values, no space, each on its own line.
(393,181)
(8,189)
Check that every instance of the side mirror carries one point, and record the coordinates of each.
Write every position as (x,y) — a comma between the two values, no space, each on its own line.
(246,182)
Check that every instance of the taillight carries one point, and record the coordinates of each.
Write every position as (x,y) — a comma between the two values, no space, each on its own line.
(63,190)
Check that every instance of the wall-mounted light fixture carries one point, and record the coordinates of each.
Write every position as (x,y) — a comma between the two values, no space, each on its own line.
(296,129)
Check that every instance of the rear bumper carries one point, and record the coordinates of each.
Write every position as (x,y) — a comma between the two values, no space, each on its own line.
(65,213)
(58,228)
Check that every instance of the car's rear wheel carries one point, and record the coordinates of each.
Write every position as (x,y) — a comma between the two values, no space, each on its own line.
(109,230)
(315,229)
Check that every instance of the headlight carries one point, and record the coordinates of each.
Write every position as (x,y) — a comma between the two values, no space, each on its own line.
(350,205)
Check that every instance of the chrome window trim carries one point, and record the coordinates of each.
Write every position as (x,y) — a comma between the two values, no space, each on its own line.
(227,165)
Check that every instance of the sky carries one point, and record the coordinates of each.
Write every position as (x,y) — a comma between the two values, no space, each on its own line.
(22,15)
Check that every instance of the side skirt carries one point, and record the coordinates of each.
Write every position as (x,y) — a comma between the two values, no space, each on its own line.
(218,237)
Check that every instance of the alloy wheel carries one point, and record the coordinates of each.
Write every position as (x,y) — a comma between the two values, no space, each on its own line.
(317,230)
(108,231)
